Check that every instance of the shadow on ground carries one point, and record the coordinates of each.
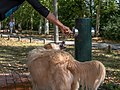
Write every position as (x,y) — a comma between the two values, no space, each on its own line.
(13,61)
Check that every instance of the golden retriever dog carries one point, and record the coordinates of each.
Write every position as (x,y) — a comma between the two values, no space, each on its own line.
(52,69)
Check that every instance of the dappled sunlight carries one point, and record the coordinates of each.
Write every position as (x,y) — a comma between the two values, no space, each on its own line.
(112,63)
(14,42)
(13,59)
(13,63)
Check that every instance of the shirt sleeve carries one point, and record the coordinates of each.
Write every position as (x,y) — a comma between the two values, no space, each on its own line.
(39,7)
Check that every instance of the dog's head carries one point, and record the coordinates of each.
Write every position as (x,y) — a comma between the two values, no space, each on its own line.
(52,46)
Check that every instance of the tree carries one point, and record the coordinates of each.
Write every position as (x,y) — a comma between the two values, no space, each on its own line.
(98,7)
(110,18)
(0,25)
(56,32)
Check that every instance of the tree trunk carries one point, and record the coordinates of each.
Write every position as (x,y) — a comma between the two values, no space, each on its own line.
(31,25)
(40,28)
(20,26)
(98,20)
(91,8)
(0,25)
(56,32)
(46,26)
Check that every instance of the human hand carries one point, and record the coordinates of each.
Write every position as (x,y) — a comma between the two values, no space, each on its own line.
(66,30)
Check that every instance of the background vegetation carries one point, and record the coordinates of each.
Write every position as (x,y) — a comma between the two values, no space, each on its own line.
(105,16)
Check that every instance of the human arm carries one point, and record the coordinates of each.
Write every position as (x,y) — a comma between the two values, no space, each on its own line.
(39,7)
(47,14)
(64,29)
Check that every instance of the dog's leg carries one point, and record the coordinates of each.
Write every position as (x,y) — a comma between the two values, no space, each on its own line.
(75,84)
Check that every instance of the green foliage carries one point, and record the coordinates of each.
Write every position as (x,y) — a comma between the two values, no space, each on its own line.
(24,15)
(69,10)
(110,21)
(112,30)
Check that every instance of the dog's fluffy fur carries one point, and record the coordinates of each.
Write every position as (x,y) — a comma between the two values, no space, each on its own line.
(58,70)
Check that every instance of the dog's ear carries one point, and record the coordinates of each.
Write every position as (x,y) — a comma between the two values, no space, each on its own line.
(48,46)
